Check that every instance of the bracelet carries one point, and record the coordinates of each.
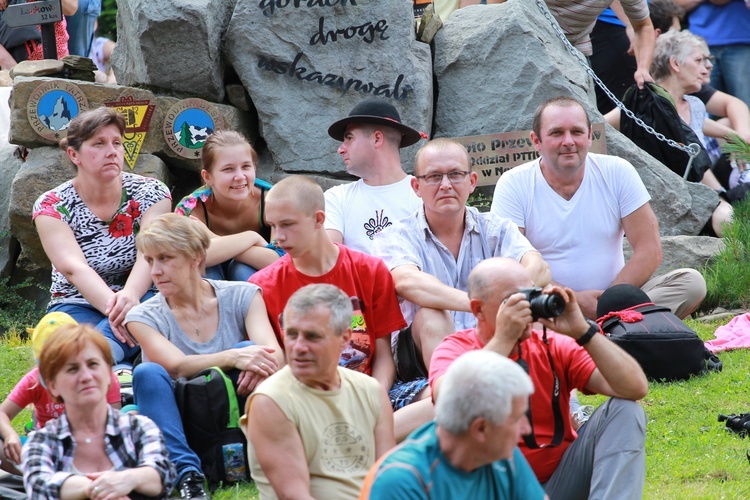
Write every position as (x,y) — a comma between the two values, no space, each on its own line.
(586,337)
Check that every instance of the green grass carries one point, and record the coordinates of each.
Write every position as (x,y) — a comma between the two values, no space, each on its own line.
(689,455)
(728,276)
(237,492)
(15,360)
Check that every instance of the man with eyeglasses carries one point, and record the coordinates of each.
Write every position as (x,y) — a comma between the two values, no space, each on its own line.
(606,457)
(431,253)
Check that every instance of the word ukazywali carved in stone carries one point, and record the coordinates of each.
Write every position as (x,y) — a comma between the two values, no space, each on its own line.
(292,70)
(367,31)
(269,6)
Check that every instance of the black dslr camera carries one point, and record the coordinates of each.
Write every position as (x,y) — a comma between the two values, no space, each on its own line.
(543,305)
(739,424)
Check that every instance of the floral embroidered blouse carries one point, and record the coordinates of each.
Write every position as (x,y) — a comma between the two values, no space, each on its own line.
(109,246)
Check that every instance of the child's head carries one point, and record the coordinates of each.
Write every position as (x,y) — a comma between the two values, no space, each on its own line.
(46,327)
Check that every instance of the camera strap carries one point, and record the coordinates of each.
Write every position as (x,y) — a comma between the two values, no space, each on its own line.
(557,438)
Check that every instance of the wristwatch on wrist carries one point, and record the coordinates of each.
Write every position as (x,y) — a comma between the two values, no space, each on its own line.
(593,330)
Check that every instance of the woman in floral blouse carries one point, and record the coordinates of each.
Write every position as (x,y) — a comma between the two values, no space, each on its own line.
(231,205)
(88,226)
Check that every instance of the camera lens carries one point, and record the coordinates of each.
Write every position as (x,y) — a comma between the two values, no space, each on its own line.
(547,306)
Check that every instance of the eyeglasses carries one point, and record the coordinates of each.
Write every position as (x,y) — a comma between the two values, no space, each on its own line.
(456,177)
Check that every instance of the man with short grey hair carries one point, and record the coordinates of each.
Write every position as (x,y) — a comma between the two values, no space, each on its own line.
(470,450)
(315,428)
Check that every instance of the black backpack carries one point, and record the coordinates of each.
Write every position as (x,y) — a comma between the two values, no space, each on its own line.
(664,346)
(210,415)
(655,106)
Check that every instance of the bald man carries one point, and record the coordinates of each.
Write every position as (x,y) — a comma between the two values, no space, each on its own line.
(607,457)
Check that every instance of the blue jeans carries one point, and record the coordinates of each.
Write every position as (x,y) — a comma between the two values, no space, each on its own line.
(731,73)
(230,270)
(81,27)
(86,313)
(154,395)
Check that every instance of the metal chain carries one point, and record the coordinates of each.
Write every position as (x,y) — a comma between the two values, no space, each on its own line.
(693,149)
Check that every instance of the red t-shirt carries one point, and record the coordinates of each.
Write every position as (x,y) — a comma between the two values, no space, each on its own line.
(29,391)
(362,277)
(573,365)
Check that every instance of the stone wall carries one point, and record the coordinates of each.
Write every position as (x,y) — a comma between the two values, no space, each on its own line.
(293,67)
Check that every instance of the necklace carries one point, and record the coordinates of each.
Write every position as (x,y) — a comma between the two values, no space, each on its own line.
(202,314)
(87,440)
(115,207)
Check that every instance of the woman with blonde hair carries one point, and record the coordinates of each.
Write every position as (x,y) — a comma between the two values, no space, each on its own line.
(231,204)
(190,325)
(680,67)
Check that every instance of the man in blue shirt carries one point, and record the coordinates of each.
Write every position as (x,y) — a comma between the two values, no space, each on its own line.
(470,450)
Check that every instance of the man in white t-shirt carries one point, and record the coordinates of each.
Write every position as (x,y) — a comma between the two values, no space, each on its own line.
(575,206)
(371,137)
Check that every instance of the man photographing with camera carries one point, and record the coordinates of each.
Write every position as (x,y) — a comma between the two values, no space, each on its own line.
(606,458)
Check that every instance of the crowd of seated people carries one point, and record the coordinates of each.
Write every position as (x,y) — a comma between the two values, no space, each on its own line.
(323,308)
(364,307)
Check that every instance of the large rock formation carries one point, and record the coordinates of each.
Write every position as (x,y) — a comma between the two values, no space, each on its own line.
(172,45)
(305,66)
(495,64)
(684,251)
(10,162)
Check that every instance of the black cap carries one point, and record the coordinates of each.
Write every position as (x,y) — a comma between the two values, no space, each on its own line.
(619,298)
(378,112)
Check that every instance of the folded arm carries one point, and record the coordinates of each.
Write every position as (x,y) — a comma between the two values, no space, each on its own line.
(426,290)
(732,108)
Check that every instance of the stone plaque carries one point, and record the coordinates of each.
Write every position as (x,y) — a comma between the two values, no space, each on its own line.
(188,124)
(52,105)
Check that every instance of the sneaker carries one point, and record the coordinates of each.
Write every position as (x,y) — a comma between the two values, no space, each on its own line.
(191,486)
(582,415)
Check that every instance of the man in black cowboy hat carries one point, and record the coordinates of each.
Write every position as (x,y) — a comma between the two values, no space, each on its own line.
(371,137)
